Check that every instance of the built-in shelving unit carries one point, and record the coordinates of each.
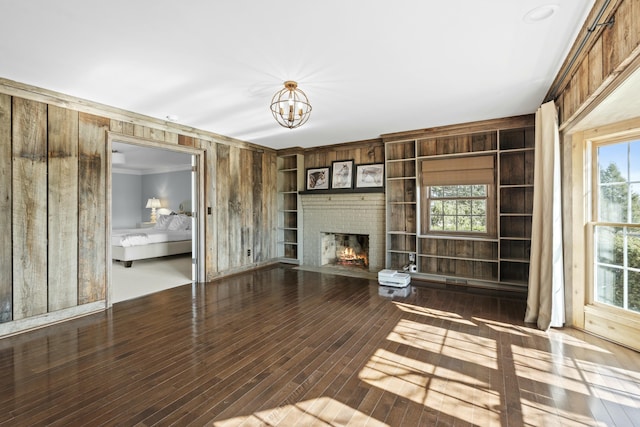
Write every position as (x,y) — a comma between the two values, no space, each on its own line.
(515,170)
(401,200)
(500,259)
(290,182)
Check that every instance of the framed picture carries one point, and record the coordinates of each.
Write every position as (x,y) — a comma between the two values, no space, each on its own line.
(370,175)
(318,178)
(342,174)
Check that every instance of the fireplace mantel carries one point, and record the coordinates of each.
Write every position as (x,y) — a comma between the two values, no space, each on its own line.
(349,213)
(342,191)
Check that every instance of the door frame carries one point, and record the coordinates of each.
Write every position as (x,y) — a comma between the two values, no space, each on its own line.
(199,191)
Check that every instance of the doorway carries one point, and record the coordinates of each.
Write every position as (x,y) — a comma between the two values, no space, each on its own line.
(152,187)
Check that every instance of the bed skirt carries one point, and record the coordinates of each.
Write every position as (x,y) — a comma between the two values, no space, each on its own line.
(153,250)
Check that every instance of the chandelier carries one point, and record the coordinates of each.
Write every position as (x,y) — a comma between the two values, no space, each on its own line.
(290,106)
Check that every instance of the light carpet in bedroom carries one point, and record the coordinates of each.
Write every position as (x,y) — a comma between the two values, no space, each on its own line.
(149,276)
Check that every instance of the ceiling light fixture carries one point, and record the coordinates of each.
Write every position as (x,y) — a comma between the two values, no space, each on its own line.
(540,13)
(290,106)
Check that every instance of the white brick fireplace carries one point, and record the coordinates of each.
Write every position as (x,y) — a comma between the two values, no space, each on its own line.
(351,213)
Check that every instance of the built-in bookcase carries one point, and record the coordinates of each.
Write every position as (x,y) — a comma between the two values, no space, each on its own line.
(515,160)
(500,260)
(290,181)
(401,200)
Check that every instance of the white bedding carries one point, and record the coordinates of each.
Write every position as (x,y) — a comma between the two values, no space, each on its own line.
(128,237)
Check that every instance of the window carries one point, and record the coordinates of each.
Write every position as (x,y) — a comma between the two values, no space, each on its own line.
(458,196)
(617,225)
(458,208)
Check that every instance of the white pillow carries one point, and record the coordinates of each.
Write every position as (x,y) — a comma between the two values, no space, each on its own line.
(179,222)
(162,222)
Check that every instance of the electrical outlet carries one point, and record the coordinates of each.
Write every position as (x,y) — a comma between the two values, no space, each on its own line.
(412,257)
(248,252)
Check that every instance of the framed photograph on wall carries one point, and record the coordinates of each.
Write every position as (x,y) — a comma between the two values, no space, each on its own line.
(318,178)
(342,174)
(370,175)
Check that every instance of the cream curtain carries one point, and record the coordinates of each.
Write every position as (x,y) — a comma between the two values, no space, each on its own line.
(545,301)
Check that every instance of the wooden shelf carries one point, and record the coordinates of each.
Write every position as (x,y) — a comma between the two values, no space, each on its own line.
(461,258)
(457,237)
(516,167)
(400,251)
(502,259)
(401,178)
(290,180)
(457,144)
(343,191)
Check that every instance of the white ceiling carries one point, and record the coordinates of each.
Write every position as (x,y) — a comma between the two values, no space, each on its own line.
(369,67)
(141,160)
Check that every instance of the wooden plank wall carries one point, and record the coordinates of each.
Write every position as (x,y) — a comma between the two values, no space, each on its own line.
(53,187)
(29,210)
(222,199)
(63,197)
(6,270)
(362,152)
(264,214)
(210,191)
(609,52)
(92,233)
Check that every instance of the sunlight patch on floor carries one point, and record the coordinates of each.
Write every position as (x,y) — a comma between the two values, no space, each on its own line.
(439,314)
(430,384)
(322,411)
(455,343)
(503,327)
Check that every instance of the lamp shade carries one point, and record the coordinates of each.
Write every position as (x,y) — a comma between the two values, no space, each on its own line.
(153,203)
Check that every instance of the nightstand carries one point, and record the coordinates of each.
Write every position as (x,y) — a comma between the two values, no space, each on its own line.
(146,224)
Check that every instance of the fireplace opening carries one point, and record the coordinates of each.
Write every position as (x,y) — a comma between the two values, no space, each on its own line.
(346,250)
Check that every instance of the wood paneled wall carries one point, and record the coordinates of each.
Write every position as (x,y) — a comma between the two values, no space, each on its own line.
(63,185)
(53,202)
(609,54)
(245,190)
(6,253)
(608,51)
(29,207)
(362,152)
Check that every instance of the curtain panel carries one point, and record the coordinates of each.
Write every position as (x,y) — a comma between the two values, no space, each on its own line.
(545,300)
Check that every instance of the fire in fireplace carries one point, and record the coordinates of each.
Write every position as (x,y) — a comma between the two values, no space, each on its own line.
(350,250)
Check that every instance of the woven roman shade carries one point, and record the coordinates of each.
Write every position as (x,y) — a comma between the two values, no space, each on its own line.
(458,171)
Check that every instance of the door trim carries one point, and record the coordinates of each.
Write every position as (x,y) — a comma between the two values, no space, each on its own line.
(200,213)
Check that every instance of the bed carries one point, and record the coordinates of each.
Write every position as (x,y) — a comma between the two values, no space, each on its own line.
(171,235)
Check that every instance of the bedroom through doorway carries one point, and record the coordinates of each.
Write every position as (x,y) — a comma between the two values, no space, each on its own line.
(153,216)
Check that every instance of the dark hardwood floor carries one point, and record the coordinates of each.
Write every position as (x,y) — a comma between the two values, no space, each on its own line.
(280,346)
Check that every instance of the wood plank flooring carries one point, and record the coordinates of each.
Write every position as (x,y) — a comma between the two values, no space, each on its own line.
(281,346)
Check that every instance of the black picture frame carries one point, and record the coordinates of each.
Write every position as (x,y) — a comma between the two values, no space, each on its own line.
(369,175)
(318,178)
(342,174)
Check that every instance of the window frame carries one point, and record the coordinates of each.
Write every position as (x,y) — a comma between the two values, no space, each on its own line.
(491,200)
(595,222)
(430,199)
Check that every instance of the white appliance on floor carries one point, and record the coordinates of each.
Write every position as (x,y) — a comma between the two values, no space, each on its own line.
(393,278)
